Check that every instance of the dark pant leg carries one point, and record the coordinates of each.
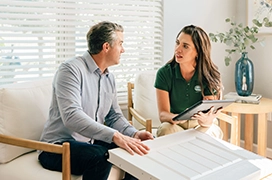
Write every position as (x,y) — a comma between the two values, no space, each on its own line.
(86,159)
(107,145)
(111,146)
(129,177)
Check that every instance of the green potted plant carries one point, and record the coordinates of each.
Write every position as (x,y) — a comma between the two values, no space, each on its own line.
(239,38)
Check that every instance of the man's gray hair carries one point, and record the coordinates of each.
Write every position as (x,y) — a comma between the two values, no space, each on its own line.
(100,33)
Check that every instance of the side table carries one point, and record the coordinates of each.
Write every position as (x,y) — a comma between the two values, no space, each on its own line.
(261,109)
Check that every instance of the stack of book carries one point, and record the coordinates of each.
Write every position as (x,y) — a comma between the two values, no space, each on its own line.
(252,99)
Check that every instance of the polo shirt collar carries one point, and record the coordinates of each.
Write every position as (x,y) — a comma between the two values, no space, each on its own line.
(179,76)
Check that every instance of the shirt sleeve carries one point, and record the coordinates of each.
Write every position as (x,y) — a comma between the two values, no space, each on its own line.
(115,118)
(163,79)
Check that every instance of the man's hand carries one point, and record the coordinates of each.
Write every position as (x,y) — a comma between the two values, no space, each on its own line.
(130,144)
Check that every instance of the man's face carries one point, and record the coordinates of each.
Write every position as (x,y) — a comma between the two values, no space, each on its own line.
(115,51)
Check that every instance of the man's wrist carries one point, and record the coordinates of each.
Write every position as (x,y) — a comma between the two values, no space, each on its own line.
(136,135)
(115,136)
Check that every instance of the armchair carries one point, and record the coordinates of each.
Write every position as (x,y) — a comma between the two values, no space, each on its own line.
(142,106)
(142,102)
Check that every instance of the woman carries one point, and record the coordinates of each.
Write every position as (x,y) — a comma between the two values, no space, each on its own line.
(190,76)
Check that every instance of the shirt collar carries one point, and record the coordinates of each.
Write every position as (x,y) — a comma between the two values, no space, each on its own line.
(179,76)
(92,66)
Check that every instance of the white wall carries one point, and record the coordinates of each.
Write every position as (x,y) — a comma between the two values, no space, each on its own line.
(210,15)
(262,60)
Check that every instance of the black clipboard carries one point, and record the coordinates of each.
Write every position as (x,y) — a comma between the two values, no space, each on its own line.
(204,106)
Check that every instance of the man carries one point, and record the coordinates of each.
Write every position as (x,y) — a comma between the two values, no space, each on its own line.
(84,99)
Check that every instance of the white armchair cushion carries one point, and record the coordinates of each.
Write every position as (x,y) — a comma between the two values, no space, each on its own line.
(145,101)
(23,112)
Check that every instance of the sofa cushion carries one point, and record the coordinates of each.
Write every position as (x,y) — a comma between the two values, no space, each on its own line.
(28,167)
(23,112)
(145,101)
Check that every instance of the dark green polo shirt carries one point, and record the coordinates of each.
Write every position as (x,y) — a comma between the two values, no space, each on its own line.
(182,94)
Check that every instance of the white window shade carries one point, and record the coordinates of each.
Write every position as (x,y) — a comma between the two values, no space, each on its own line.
(37,35)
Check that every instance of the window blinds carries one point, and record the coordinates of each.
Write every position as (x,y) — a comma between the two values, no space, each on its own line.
(37,35)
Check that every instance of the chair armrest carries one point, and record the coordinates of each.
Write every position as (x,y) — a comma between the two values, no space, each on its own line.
(37,145)
(233,121)
(146,122)
(225,117)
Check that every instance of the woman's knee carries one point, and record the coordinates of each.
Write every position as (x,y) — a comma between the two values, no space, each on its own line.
(213,131)
(168,128)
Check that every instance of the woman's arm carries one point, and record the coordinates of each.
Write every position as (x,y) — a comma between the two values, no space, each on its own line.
(163,103)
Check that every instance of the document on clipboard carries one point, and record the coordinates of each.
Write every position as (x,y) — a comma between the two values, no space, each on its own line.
(204,106)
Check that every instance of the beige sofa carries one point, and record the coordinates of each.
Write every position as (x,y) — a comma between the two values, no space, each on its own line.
(23,112)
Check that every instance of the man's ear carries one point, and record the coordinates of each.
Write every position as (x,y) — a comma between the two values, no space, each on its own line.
(106,46)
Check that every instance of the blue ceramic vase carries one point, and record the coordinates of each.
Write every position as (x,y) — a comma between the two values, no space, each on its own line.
(244,76)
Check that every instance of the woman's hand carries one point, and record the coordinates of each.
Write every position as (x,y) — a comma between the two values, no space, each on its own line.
(206,119)
(130,144)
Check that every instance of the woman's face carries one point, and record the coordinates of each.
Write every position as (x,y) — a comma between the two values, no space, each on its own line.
(185,51)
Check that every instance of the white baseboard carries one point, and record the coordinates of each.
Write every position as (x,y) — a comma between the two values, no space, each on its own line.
(268,150)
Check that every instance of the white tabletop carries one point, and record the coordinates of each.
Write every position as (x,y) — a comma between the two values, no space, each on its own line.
(192,155)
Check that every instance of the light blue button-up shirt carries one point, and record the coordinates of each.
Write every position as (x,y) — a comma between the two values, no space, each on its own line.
(83,100)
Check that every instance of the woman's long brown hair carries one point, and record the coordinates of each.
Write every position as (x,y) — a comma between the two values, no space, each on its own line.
(207,71)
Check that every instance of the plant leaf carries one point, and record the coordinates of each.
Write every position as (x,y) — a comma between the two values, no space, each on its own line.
(227,60)
(268,24)
(257,23)
(239,37)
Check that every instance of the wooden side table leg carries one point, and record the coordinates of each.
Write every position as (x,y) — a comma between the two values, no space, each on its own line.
(262,134)
(249,120)
(224,127)
(238,127)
